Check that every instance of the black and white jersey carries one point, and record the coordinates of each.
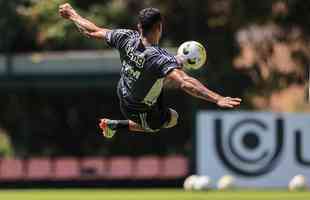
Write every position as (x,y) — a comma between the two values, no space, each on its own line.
(143,68)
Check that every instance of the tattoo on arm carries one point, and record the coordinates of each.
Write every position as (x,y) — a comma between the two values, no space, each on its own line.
(85,26)
(195,88)
(88,28)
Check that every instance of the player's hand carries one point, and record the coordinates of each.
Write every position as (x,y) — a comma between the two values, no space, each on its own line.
(66,11)
(228,102)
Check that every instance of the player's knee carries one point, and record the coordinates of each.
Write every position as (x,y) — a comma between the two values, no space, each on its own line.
(174,116)
(156,127)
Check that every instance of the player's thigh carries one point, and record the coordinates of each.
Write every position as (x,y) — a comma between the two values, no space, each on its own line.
(137,116)
(130,113)
(153,119)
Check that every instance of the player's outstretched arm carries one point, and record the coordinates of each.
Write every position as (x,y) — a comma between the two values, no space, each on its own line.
(85,26)
(195,88)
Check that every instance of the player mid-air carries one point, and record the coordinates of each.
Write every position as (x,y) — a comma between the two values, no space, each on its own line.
(145,66)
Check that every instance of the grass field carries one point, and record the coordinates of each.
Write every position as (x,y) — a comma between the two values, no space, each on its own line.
(156,194)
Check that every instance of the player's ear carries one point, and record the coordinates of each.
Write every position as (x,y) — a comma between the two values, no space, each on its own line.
(139,28)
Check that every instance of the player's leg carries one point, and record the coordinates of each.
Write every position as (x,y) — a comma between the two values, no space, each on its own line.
(133,126)
(169,122)
(168,117)
(148,122)
(109,126)
(159,118)
(152,120)
(133,123)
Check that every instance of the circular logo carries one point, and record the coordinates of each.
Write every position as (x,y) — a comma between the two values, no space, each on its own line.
(249,147)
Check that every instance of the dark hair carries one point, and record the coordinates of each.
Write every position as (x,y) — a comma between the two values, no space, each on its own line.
(148,17)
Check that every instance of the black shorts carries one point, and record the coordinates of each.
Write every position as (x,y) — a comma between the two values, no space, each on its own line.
(151,120)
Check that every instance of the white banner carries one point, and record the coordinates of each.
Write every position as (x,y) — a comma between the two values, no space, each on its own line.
(259,149)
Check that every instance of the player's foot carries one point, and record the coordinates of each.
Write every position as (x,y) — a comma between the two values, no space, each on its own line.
(107,127)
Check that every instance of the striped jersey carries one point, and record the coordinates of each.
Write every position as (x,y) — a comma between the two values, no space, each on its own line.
(143,68)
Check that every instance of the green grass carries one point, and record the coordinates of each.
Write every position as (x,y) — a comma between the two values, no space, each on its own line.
(147,194)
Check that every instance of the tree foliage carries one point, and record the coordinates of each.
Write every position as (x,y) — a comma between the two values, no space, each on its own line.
(256,49)
(37,25)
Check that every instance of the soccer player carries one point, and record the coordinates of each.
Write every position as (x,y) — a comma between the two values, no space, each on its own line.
(145,66)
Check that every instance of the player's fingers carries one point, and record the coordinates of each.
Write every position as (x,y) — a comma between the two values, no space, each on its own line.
(233,99)
(62,11)
(237,99)
(65,5)
(63,14)
(231,103)
(230,99)
(229,106)
(62,6)
(235,103)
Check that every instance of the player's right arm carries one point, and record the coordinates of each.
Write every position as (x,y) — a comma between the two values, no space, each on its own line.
(85,26)
(195,88)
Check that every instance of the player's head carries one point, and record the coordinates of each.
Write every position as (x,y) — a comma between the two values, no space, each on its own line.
(150,22)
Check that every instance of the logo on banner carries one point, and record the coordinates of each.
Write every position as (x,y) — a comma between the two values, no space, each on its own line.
(249,147)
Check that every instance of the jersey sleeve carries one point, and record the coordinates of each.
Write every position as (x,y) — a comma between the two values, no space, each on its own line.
(164,63)
(117,38)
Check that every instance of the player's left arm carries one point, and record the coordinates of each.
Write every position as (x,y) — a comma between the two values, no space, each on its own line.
(85,26)
(195,88)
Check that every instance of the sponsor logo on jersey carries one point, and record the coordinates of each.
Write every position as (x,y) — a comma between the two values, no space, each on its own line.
(137,58)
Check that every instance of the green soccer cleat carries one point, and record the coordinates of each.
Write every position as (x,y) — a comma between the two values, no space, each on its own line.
(107,127)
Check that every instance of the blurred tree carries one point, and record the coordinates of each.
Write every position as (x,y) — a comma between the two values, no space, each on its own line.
(37,25)
(266,41)
(10,28)
(55,33)
(6,149)
(275,54)
(51,32)
(9,24)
